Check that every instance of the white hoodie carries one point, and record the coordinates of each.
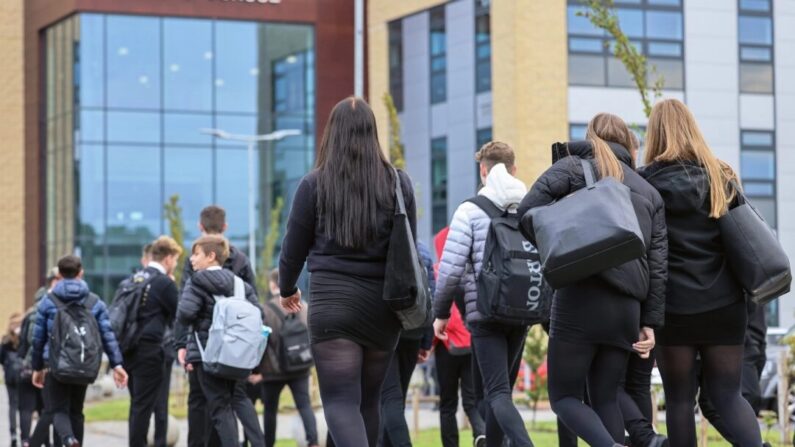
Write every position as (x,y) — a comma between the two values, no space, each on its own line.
(505,190)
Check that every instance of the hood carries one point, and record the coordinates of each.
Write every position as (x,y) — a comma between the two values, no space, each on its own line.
(583,149)
(439,240)
(69,290)
(215,282)
(683,185)
(502,188)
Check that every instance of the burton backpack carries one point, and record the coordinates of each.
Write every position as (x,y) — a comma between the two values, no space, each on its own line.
(510,284)
(75,342)
(295,352)
(237,338)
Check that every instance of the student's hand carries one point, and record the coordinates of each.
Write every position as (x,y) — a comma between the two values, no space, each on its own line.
(440,328)
(292,304)
(181,353)
(423,356)
(38,379)
(645,342)
(255,379)
(120,377)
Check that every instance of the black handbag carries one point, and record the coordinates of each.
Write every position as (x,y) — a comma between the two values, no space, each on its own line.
(406,289)
(753,253)
(589,231)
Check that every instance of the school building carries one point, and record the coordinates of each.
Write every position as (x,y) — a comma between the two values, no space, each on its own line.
(103,105)
(533,72)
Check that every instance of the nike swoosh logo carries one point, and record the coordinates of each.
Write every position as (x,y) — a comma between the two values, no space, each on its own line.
(240,317)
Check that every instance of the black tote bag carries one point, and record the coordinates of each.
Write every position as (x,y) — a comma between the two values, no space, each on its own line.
(589,231)
(753,253)
(406,289)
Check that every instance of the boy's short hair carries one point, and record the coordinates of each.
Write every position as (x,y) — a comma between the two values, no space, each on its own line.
(70,266)
(213,219)
(274,276)
(163,247)
(147,250)
(213,243)
(495,152)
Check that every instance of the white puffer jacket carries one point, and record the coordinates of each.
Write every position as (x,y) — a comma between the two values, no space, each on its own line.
(462,258)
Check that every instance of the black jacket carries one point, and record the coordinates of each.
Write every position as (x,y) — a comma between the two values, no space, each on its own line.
(644,278)
(157,314)
(195,310)
(237,263)
(699,277)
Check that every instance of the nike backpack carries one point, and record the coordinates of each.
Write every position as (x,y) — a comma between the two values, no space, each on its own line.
(75,342)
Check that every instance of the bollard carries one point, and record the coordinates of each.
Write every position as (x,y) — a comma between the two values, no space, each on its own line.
(783,395)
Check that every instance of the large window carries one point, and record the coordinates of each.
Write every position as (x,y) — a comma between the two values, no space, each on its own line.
(656,29)
(126,99)
(482,136)
(755,30)
(482,46)
(439,183)
(438,47)
(396,63)
(758,171)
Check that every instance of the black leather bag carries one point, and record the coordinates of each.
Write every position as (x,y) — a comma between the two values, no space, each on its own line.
(406,289)
(754,254)
(586,232)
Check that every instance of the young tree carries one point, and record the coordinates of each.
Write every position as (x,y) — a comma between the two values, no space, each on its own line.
(396,151)
(535,353)
(602,15)
(177,229)
(269,248)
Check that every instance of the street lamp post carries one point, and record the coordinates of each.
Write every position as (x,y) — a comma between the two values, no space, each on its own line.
(251,141)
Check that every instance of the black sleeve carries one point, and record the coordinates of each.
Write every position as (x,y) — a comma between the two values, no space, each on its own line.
(247,275)
(298,238)
(169,300)
(653,308)
(558,181)
(187,272)
(411,202)
(188,309)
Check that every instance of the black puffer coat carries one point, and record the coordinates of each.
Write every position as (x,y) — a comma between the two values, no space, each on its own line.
(643,279)
(195,310)
(699,277)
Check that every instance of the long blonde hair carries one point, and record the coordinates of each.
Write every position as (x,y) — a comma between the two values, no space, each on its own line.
(605,127)
(673,135)
(11,336)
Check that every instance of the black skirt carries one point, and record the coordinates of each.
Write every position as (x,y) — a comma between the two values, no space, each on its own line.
(351,307)
(723,326)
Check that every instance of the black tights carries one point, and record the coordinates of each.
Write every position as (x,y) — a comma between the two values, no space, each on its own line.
(570,365)
(722,369)
(350,378)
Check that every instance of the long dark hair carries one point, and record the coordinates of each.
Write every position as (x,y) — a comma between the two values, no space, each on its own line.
(354,177)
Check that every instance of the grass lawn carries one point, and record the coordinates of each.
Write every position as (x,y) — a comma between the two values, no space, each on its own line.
(543,435)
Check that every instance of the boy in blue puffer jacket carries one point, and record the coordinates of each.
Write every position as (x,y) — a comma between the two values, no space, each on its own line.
(66,399)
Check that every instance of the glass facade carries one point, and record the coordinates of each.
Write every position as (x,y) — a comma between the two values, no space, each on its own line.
(438,51)
(482,46)
(655,27)
(439,183)
(755,31)
(758,171)
(396,63)
(127,97)
(482,136)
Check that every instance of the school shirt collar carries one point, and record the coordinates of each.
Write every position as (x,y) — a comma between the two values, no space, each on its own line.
(157,266)
(214,267)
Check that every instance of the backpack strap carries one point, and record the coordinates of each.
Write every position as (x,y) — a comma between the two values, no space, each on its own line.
(588,172)
(58,303)
(488,207)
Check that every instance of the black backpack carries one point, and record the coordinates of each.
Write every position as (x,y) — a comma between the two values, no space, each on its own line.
(510,284)
(75,342)
(123,312)
(295,353)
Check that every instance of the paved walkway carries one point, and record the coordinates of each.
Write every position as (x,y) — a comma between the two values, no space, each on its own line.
(289,426)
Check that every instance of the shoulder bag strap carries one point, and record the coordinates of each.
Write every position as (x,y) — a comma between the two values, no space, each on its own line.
(401,204)
(588,172)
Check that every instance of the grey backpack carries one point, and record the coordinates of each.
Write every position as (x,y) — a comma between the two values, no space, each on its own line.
(237,339)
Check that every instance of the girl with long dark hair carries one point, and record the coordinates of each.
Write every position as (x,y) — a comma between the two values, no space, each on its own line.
(340,224)
(705,309)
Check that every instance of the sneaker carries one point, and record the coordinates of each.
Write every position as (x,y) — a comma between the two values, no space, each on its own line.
(480,441)
(71,442)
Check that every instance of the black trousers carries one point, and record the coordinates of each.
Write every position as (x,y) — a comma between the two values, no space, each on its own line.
(41,434)
(161,406)
(13,408)
(498,352)
(225,399)
(634,398)
(254,393)
(299,387)
(394,431)
(198,425)
(454,371)
(145,368)
(66,403)
(29,401)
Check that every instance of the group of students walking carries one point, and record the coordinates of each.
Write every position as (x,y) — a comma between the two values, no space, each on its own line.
(676,303)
